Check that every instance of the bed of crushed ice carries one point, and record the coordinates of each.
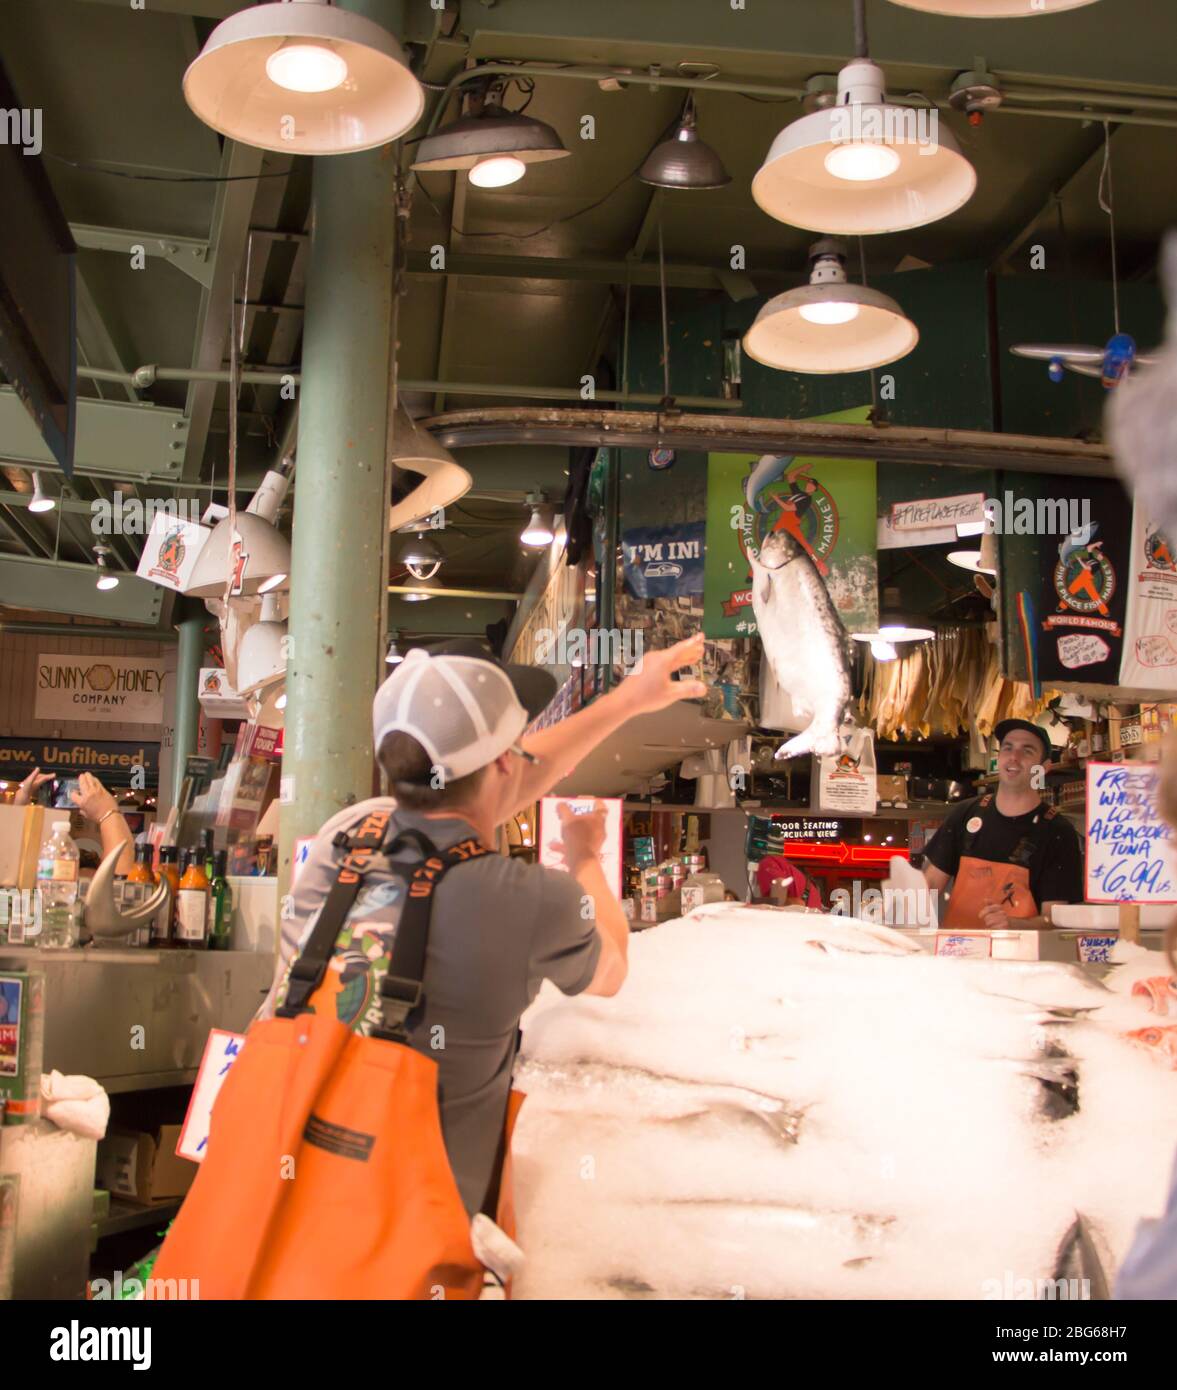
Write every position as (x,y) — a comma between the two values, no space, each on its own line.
(784,1105)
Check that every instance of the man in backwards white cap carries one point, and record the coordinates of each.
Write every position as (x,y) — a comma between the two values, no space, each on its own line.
(447,726)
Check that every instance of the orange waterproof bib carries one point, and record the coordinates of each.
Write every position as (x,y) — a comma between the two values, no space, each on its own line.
(982,883)
(326,1174)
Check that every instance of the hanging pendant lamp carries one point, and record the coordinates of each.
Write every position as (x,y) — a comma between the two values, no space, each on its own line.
(864,165)
(304,77)
(260,552)
(684,161)
(992,9)
(261,660)
(494,144)
(830,325)
(444,479)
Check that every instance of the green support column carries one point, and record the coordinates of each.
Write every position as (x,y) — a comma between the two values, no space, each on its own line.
(191,618)
(337,595)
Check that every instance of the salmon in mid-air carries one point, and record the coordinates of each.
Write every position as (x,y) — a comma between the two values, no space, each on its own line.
(804,640)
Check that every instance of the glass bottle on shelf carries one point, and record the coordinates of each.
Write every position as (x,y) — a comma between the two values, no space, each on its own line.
(220,904)
(163,927)
(192,902)
(139,886)
(206,853)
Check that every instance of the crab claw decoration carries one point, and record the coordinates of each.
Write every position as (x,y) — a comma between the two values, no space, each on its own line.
(104,920)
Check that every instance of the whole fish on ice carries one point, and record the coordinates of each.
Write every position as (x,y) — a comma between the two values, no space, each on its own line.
(804,640)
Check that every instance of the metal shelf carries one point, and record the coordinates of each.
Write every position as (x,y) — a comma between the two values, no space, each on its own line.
(129,1216)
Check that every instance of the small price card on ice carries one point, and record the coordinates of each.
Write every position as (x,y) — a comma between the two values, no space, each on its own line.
(220,1052)
(1131,851)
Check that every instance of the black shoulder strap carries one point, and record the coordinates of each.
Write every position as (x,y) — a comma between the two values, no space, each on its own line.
(401,988)
(307,972)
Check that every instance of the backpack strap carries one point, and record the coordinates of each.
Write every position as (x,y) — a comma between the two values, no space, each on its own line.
(306,974)
(401,990)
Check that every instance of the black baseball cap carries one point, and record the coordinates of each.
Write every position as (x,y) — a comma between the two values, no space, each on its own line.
(533,687)
(1008,725)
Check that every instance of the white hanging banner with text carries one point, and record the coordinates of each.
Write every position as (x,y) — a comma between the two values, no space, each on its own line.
(102,689)
(1149,661)
(1131,853)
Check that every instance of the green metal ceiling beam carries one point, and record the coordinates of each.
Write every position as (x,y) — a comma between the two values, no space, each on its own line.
(583,269)
(1137,48)
(41,586)
(188,254)
(112,437)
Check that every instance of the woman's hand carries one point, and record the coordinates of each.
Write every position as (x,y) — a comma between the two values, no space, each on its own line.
(92,798)
(30,786)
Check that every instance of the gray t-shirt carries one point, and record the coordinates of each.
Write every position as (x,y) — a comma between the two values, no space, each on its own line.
(500,927)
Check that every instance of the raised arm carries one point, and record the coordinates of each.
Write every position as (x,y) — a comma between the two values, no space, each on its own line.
(563,746)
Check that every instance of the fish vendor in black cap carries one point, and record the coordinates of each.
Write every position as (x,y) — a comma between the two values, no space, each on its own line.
(1011,856)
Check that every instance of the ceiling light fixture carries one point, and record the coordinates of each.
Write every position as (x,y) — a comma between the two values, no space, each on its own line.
(830,325)
(497,171)
(41,501)
(494,144)
(684,161)
(260,552)
(992,9)
(421,595)
(304,77)
(393,656)
(896,624)
(261,658)
(864,165)
(106,580)
(444,480)
(422,556)
(539,530)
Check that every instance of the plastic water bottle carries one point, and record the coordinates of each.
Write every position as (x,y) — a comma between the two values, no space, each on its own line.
(57,868)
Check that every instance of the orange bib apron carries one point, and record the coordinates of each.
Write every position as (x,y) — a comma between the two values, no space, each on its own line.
(982,883)
(326,1174)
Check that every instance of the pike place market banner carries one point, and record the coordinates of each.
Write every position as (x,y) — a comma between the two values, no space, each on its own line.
(69,757)
(1083,583)
(104,689)
(828,505)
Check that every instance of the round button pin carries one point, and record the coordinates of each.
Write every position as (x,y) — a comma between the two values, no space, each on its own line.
(973,824)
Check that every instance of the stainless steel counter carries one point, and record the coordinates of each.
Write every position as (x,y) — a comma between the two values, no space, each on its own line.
(134,1019)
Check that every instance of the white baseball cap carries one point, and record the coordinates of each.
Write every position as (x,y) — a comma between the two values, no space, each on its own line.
(462,705)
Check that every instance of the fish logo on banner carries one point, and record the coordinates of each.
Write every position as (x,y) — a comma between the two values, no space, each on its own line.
(1083,599)
(170,558)
(783,496)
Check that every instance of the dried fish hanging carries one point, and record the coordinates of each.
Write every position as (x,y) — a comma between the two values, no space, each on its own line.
(949,686)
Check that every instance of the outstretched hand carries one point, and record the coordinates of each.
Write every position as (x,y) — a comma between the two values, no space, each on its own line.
(651,688)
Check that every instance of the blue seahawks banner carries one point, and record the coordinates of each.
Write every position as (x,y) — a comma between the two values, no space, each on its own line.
(664,561)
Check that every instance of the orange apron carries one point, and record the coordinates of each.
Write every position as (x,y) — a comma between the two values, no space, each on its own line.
(982,883)
(326,1174)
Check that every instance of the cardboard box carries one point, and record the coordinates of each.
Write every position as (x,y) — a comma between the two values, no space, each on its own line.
(144,1167)
(891,787)
(22,829)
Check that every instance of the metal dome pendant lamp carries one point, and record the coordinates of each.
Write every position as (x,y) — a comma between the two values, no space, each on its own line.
(304,77)
(830,325)
(864,165)
(992,9)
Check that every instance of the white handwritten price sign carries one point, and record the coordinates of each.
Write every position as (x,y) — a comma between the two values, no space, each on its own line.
(1131,850)
(220,1052)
